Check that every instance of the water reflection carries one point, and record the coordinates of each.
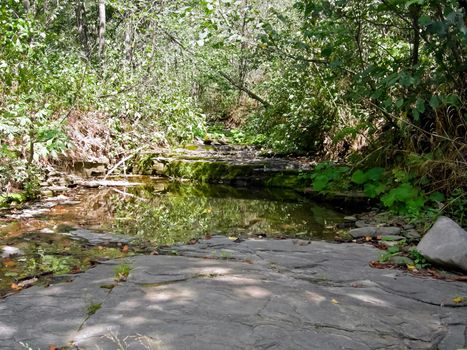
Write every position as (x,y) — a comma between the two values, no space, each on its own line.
(168,213)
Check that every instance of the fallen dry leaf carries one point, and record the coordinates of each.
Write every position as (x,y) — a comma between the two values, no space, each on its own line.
(458,300)
(334,301)
(125,248)
(53,347)
(9,263)
(15,286)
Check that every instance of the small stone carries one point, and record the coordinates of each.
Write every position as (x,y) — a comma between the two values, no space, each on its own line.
(389,243)
(9,251)
(59,198)
(350,218)
(388,231)
(57,188)
(363,232)
(408,227)
(47,230)
(393,238)
(47,193)
(412,234)
(401,260)
(445,244)
(361,224)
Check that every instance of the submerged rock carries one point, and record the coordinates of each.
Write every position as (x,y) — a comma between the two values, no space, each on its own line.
(445,244)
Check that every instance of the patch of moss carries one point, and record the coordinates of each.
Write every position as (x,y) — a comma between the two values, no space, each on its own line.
(286,180)
(7,199)
(208,171)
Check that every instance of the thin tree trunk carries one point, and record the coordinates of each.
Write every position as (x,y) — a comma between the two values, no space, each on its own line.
(82,27)
(101,29)
(242,65)
(415,13)
(27,6)
(129,43)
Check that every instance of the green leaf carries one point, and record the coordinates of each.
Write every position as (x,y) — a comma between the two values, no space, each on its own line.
(373,190)
(434,102)
(420,105)
(359,177)
(375,173)
(436,197)
(320,182)
(424,20)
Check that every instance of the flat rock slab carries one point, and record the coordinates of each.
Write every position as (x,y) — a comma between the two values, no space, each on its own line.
(96,238)
(256,294)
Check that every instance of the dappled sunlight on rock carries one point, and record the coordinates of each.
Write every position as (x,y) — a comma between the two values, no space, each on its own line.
(213,270)
(370,299)
(96,331)
(236,280)
(170,294)
(315,297)
(6,331)
(252,292)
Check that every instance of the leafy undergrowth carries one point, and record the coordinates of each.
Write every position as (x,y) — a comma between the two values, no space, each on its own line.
(403,255)
(399,190)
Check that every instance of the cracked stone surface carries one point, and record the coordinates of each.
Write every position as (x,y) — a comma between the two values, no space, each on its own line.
(257,294)
(96,238)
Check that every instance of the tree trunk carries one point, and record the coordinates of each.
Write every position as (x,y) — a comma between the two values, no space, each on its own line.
(27,6)
(82,27)
(129,43)
(415,14)
(101,29)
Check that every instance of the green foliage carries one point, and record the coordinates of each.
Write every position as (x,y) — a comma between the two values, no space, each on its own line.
(93,308)
(419,259)
(327,176)
(397,190)
(122,271)
(456,206)
(390,252)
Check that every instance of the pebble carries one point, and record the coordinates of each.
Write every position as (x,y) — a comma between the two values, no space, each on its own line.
(412,234)
(388,231)
(363,232)
(361,224)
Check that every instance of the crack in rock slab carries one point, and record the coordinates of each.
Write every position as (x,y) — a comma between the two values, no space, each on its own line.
(276,301)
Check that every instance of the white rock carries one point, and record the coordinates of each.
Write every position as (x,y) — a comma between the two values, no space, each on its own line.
(8,251)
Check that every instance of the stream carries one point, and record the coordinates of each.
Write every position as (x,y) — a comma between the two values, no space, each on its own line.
(151,214)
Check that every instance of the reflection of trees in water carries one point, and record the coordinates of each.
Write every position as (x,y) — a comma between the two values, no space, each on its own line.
(185,212)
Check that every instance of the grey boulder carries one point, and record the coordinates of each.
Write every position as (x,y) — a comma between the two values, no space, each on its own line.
(445,244)
(8,251)
(363,232)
